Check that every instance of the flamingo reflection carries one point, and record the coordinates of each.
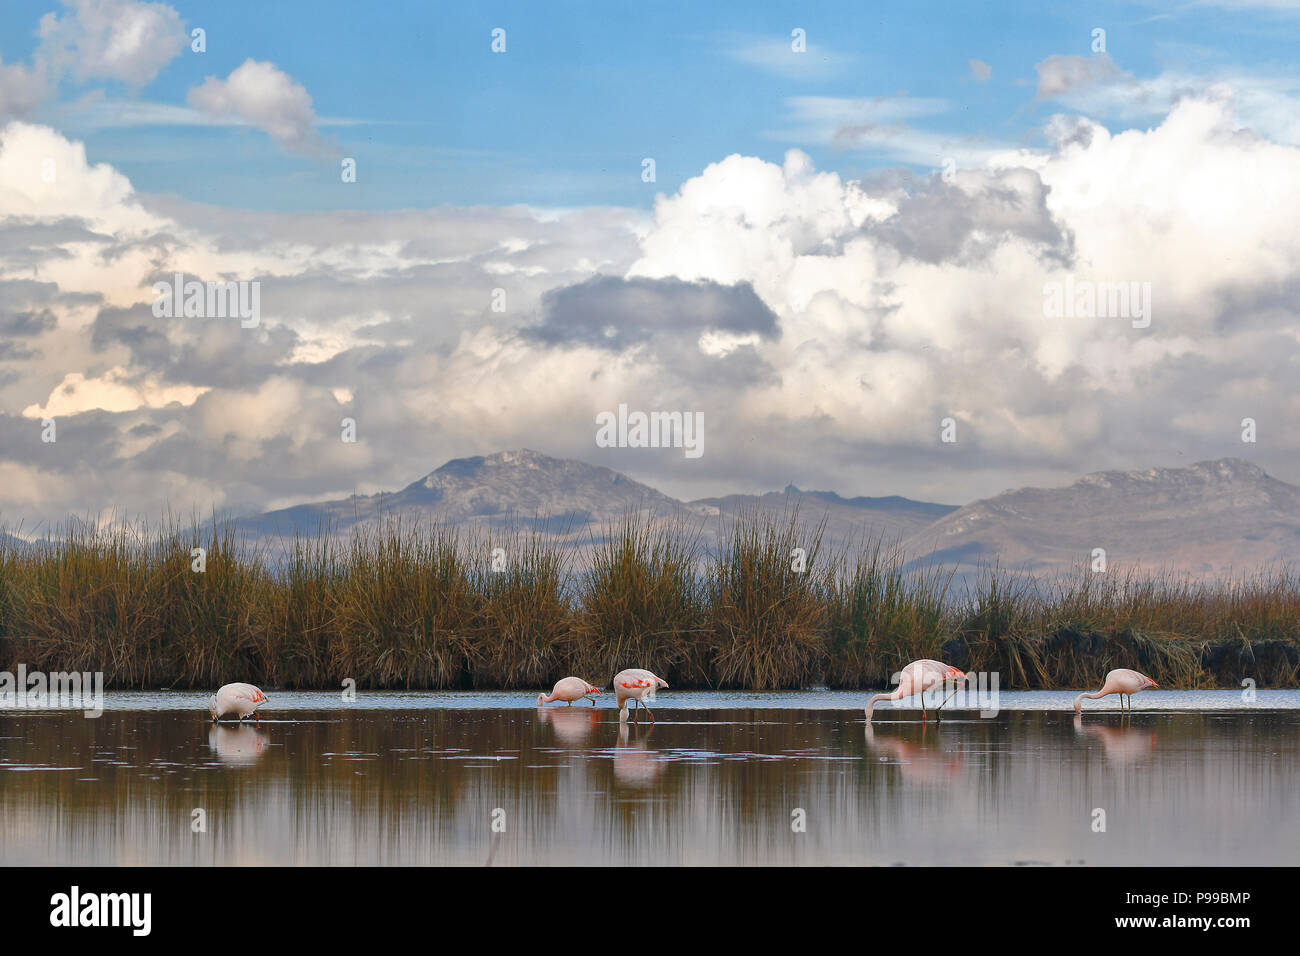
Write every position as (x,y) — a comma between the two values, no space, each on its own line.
(237,746)
(1122,745)
(573,726)
(634,764)
(920,761)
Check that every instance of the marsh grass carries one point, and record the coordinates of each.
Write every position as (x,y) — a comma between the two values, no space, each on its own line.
(524,610)
(641,604)
(403,605)
(879,617)
(765,621)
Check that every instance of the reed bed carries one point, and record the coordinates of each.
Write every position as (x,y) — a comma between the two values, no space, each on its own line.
(766,606)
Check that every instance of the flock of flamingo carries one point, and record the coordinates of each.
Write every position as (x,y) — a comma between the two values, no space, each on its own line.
(638,686)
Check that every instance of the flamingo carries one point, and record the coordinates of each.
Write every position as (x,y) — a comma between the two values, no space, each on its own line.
(1120,681)
(637,685)
(918,677)
(570,689)
(241,699)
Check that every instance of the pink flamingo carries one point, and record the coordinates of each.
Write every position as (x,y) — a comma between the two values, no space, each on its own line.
(570,689)
(918,677)
(240,699)
(636,685)
(1120,681)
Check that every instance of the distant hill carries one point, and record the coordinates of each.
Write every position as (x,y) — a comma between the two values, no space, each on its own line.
(492,491)
(891,518)
(575,500)
(1213,517)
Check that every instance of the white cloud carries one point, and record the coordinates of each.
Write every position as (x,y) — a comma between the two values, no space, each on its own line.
(881,126)
(897,302)
(266,97)
(112,392)
(1096,86)
(22,88)
(777,55)
(122,40)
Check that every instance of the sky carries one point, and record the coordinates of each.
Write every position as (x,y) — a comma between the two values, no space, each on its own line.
(828,228)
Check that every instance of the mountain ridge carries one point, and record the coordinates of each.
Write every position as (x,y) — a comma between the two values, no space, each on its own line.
(1208,517)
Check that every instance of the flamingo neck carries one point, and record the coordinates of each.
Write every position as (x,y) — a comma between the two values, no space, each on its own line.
(1078,701)
(543,699)
(871,704)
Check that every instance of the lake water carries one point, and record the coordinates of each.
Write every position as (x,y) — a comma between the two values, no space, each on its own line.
(1190,778)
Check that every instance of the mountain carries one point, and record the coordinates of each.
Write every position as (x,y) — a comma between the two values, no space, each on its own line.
(891,518)
(563,496)
(12,542)
(1213,517)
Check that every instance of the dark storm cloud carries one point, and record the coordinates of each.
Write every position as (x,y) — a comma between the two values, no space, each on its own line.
(613,313)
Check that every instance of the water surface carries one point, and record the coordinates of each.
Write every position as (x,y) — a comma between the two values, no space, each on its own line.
(1190,778)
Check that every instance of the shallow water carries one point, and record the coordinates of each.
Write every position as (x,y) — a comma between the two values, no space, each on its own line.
(1189,778)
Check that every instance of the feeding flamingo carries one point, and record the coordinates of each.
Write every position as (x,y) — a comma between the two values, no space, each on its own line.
(1120,681)
(918,677)
(636,685)
(570,689)
(240,699)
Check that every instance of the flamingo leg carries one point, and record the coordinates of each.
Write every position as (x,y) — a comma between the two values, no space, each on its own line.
(651,713)
(636,709)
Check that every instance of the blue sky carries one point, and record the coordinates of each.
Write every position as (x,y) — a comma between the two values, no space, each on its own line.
(585,91)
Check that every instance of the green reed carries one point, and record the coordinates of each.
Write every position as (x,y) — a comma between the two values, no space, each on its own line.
(759,604)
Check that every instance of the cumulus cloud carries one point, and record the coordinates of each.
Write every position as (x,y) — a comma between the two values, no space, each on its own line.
(124,40)
(266,97)
(823,325)
(1060,73)
(1266,103)
(22,88)
(979,70)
